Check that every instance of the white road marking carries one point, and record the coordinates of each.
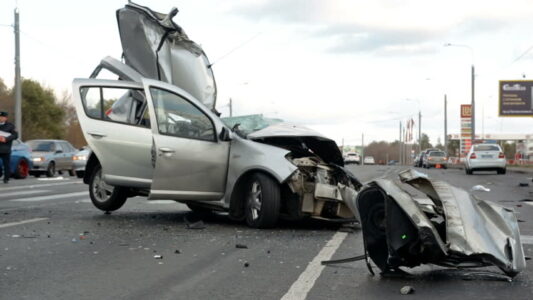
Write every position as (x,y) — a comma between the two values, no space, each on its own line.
(22,222)
(305,282)
(526,239)
(53,178)
(23,193)
(12,188)
(51,197)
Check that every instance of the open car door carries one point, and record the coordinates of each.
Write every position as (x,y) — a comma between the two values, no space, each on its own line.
(191,162)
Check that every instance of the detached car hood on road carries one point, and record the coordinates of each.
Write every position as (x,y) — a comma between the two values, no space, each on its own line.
(444,226)
(158,48)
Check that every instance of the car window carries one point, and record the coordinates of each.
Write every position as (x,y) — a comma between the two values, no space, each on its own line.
(120,105)
(66,147)
(58,146)
(486,148)
(42,146)
(178,117)
(437,153)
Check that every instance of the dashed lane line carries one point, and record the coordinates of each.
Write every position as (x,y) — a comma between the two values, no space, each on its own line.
(51,197)
(20,193)
(20,187)
(301,287)
(5,225)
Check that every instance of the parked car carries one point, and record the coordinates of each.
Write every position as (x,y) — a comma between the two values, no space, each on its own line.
(80,161)
(51,156)
(163,138)
(369,160)
(423,155)
(434,159)
(485,157)
(352,158)
(20,162)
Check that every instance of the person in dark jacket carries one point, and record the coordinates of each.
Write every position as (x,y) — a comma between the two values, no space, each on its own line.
(7,135)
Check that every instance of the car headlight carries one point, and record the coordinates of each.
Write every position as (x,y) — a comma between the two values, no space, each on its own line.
(37,159)
(79,157)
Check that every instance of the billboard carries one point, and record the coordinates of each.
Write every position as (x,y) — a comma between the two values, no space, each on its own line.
(466,128)
(516,98)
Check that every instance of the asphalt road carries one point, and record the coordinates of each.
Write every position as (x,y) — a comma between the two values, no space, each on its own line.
(55,245)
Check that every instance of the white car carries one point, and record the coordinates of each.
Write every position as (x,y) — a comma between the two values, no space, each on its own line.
(485,157)
(369,160)
(352,158)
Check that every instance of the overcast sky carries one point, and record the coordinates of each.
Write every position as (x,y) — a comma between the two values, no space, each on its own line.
(341,67)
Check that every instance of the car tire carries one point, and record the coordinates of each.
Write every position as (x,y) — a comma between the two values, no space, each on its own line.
(23,169)
(71,173)
(103,196)
(80,174)
(51,170)
(262,201)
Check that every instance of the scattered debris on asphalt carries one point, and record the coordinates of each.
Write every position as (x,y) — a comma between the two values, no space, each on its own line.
(177,251)
(241,246)
(480,188)
(526,200)
(406,290)
(246,264)
(523,184)
(158,256)
(199,224)
(15,236)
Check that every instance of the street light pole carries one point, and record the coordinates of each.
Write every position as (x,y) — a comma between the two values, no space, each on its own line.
(473,88)
(18,89)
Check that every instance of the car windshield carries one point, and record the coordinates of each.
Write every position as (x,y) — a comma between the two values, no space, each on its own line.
(41,146)
(486,148)
(250,123)
(437,153)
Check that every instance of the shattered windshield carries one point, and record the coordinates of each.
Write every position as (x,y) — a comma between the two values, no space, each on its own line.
(250,123)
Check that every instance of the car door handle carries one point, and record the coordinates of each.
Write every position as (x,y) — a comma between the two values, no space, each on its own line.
(96,134)
(166,150)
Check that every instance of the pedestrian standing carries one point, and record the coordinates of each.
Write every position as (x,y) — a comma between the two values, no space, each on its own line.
(7,135)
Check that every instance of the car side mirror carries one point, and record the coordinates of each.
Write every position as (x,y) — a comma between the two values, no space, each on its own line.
(225,135)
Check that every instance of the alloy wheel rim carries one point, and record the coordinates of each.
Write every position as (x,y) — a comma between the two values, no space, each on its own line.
(101,190)
(255,200)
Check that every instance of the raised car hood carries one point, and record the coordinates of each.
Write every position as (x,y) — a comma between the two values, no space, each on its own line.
(293,136)
(158,48)
(443,225)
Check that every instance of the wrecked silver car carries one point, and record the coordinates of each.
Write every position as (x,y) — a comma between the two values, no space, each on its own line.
(418,220)
(155,132)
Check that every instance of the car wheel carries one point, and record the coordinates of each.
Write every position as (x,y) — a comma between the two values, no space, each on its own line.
(80,174)
(51,170)
(104,196)
(71,172)
(262,201)
(23,169)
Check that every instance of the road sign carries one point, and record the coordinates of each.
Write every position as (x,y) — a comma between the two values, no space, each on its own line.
(466,128)
(516,98)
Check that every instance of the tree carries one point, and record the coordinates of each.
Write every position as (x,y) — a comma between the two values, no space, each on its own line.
(73,132)
(424,142)
(42,117)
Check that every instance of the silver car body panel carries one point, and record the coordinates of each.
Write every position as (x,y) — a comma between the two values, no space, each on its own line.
(158,48)
(123,71)
(123,149)
(473,232)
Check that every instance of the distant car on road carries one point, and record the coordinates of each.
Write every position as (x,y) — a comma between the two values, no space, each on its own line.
(392,162)
(369,160)
(80,161)
(485,157)
(50,156)
(434,159)
(417,162)
(423,155)
(352,158)
(20,162)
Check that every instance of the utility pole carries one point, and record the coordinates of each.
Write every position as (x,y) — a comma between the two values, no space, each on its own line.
(473,106)
(362,159)
(419,131)
(230,107)
(400,158)
(18,91)
(445,124)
